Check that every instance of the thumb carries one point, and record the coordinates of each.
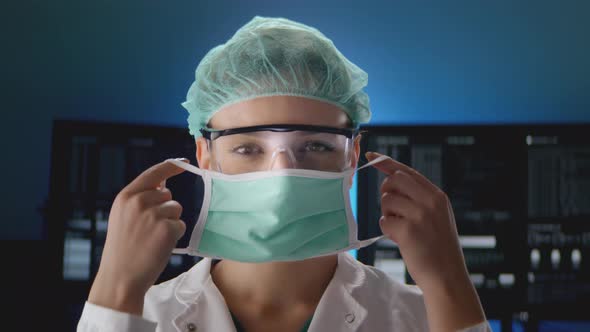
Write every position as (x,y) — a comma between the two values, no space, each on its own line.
(372,155)
(179,227)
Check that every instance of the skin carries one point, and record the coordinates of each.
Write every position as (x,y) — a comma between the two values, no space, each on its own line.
(417,215)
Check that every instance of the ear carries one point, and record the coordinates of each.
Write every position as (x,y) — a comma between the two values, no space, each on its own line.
(355,157)
(203,155)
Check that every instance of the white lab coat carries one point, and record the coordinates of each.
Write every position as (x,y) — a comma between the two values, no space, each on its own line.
(358,298)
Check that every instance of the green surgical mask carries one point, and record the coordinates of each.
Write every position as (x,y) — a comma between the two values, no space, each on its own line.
(279,215)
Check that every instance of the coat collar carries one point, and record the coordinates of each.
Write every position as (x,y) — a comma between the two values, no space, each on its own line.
(338,308)
(194,282)
(202,301)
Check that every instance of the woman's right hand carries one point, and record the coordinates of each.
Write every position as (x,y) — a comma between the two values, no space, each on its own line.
(144,226)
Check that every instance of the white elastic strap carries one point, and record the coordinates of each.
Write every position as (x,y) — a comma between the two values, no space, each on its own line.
(203,214)
(181,251)
(374,161)
(368,242)
(189,167)
(196,236)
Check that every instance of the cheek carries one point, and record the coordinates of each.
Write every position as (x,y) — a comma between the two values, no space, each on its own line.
(205,163)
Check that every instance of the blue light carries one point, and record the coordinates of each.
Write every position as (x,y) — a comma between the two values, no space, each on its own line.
(496,325)
(564,326)
(353,203)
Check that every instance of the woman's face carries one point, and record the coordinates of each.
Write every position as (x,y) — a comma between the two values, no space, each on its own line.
(275,110)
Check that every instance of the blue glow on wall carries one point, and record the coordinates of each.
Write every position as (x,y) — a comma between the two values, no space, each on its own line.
(354,205)
(469,62)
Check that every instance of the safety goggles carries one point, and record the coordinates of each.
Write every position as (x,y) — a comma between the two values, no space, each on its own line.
(268,147)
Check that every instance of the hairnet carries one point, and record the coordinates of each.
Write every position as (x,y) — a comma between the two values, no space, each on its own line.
(275,56)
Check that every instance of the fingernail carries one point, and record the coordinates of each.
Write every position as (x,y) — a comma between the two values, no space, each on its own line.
(183,159)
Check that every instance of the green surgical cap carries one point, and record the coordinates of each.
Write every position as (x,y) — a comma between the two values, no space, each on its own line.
(270,57)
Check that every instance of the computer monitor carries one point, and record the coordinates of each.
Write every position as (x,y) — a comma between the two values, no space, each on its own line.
(521,200)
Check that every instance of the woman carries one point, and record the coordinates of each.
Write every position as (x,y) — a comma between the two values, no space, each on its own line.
(278,100)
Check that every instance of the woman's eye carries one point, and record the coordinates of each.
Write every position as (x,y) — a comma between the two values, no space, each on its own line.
(247,149)
(318,147)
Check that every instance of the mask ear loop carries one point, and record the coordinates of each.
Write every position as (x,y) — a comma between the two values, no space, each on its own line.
(373,162)
(186,166)
(352,223)
(180,164)
(355,243)
(198,229)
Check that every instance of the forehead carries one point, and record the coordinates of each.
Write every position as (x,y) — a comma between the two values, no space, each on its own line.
(279,110)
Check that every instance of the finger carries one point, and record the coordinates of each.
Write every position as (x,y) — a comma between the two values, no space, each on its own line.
(154,197)
(153,177)
(389,166)
(162,185)
(397,205)
(404,184)
(169,210)
(177,226)
(394,227)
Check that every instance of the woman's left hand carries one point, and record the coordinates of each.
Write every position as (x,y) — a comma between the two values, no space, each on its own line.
(418,216)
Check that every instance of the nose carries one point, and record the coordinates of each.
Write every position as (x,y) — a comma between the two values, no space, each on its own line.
(282,158)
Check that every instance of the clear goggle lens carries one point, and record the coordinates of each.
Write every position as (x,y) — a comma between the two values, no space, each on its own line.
(276,148)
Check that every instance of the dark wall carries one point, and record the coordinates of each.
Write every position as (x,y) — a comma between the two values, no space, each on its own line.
(133,61)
